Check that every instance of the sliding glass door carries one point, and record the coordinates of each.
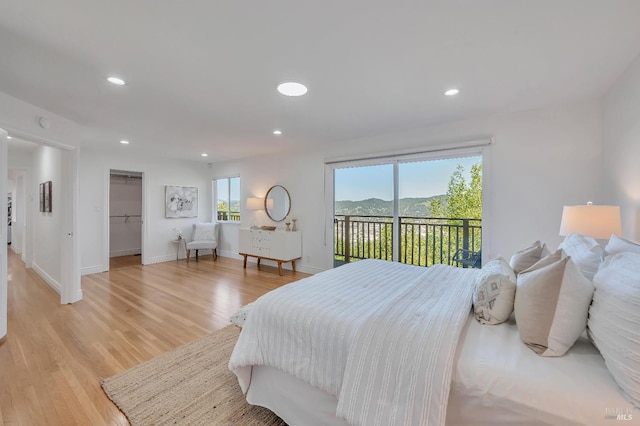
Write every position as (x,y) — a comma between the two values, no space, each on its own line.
(412,210)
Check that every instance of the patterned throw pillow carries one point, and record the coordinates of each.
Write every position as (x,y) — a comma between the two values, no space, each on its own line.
(494,292)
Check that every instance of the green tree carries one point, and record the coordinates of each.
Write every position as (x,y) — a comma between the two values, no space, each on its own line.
(463,200)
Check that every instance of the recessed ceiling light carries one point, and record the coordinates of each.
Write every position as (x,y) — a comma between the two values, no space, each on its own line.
(124,142)
(204,154)
(291,88)
(277,132)
(452,92)
(9,137)
(115,80)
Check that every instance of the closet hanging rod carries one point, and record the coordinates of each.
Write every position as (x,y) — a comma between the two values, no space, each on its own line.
(126,216)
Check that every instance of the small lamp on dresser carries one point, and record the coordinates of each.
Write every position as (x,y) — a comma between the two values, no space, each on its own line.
(254,204)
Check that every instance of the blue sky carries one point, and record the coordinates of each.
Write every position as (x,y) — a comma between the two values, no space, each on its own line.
(417,179)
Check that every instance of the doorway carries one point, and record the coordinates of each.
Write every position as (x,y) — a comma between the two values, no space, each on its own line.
(125,218)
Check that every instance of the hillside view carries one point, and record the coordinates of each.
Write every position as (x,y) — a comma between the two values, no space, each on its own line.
(411,207)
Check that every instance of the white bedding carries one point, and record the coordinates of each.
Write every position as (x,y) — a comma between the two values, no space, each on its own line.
(497,381)
(361,333)
(497,376)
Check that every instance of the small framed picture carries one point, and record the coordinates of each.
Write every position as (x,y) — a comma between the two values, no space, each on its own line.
(42,197)
(47,197)
(181,201)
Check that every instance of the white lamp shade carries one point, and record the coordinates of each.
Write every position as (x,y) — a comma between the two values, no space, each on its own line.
(254,203)
(597,222)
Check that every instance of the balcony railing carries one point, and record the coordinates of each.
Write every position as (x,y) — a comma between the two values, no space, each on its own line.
(420,241)
(231,216)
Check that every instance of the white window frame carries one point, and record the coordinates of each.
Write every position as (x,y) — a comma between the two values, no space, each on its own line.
(215,198)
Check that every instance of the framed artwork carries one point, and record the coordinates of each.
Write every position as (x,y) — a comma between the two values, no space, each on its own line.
(181,201)
(47,197)
(41,197)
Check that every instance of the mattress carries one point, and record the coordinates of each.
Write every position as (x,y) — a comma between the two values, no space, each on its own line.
(497,380)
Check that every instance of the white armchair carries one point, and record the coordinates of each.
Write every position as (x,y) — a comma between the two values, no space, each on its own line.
(204,236)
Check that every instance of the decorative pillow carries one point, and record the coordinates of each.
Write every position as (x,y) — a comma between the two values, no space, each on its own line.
(585,252)
(614,320)
(620,245)
(551,306)
(524,258)
(494,293)
(204,231)
(547,260)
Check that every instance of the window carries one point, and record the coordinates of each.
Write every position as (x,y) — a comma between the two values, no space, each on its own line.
(227,199)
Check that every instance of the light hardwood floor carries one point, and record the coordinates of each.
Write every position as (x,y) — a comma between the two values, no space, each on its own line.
(54,356)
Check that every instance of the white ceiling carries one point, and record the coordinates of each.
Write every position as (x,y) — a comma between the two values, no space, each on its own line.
(202,74)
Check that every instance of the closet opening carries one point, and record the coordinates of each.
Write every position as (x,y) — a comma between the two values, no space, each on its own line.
(125,218)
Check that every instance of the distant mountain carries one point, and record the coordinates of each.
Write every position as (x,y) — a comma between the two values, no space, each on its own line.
(412,207)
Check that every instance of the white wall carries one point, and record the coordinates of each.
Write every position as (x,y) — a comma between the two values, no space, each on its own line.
(47,227)
(540,161)
(621,149)
(94,173)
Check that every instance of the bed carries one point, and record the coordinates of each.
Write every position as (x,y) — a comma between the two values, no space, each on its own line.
(379,342)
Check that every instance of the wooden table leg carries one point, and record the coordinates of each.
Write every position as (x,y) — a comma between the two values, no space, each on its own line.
(280,267)
(245,261)
(293,265)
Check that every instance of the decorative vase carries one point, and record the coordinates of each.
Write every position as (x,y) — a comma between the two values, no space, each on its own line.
(288,223)
(294,228)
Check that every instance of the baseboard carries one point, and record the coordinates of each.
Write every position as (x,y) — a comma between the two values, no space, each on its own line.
(160,259)
(47,278)
(230,254)
(127,252)
(299,267)
(88,270)
(309,269)
(15,249)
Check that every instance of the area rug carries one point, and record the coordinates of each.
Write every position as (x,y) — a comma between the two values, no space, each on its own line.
(190,385)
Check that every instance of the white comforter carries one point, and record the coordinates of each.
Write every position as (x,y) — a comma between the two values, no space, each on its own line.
(379,336)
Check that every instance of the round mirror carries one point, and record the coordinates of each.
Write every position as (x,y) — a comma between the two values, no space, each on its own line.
(277,203)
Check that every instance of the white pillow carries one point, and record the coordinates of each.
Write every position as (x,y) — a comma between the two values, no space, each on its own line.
(524,258)
(620,245)
(551,305)
(494,292)
(614,320)
(585,252)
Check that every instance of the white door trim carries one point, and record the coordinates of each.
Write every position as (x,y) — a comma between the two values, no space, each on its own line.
(4,177)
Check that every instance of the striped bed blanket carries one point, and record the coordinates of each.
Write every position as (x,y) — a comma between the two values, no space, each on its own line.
(379,336)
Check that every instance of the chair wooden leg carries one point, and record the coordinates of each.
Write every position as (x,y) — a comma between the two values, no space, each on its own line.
(215,254)
(188,255)
(196,255)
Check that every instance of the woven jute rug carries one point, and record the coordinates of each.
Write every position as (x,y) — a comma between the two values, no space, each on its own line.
(190,385)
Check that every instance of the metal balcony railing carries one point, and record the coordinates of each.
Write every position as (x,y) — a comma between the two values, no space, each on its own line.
(231,216)
(420,241)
